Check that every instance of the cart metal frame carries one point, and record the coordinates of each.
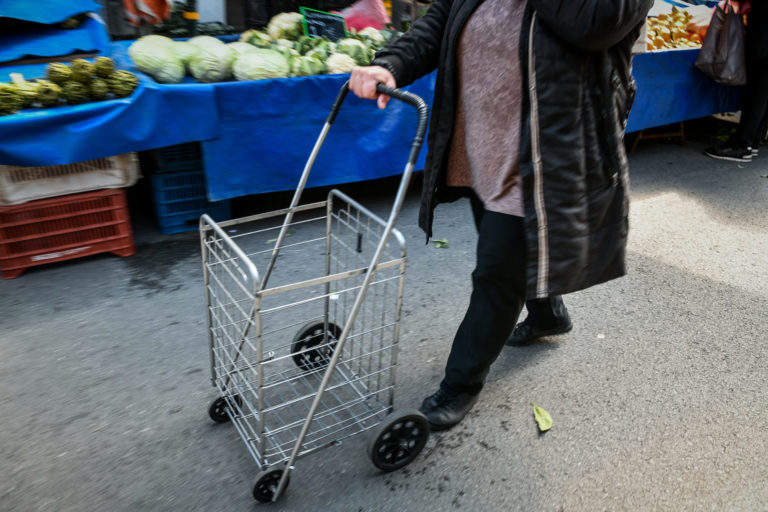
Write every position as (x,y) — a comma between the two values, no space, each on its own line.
(304,356)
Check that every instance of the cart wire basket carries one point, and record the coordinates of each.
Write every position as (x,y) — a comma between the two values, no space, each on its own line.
(304,353)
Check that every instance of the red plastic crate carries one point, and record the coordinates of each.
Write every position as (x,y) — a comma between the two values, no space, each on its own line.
(64,228)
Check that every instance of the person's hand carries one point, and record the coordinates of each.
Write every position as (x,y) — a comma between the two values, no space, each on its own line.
(363,82)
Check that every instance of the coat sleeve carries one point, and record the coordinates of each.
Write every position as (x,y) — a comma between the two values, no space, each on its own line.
(592,24)
(417,52)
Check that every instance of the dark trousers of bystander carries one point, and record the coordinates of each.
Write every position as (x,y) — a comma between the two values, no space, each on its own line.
(754,106)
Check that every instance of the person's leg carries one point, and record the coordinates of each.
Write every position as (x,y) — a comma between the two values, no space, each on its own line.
(546,317)
(498,292)
(755,104)
(741,145)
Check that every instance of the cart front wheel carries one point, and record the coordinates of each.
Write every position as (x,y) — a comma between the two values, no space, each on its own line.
(266,484)
(312,335)
(398,440)
(218,409)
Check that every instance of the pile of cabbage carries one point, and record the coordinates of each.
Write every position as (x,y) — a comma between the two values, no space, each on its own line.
(279,51)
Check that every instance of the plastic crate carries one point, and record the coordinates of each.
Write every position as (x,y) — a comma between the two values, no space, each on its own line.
(180,200)
(170,159)
(22,184)
(64,228)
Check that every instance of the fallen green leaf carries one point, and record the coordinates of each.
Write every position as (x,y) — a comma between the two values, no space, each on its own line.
(441,244)
(273,240)
(764,175)
(542,418)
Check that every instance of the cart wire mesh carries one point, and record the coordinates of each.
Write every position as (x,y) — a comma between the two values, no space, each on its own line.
(270,347)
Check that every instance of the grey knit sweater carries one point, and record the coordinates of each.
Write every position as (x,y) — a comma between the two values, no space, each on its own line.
(484,148)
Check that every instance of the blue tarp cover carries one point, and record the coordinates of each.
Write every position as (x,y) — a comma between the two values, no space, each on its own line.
(51,41)
(258,135)
(154,116)
(46,11)
(269,127)
(670,90)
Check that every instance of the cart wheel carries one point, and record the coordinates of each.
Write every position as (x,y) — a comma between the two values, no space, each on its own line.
(312,335)
(218,409)
(266,484)
(398,440)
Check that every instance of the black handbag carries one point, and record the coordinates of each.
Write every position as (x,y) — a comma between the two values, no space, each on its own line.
(722,54)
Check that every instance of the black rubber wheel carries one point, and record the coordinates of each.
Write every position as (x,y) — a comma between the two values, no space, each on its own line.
(266,484)
(398,440)
(312,335)
(218,409)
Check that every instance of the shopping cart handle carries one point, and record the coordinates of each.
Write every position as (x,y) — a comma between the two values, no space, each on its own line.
(401,95)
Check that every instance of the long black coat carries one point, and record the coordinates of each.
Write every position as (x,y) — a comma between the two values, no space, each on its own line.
(578,89)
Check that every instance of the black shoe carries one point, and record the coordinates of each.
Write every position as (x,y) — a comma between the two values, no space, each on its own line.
(527,332)
(735,154)
(445,408)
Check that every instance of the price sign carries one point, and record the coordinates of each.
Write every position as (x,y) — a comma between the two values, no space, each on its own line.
(323,24)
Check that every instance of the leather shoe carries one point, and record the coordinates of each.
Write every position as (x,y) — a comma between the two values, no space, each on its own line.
(445,408)
(527,332)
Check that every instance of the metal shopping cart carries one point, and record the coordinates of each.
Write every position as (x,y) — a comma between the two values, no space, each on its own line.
(304,354)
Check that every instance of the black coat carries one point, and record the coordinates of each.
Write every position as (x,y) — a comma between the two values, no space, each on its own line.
(578,89)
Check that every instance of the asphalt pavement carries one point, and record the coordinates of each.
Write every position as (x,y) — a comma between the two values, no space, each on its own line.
(658,395)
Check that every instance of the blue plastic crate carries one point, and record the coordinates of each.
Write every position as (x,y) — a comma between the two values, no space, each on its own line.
(170,159)
(180,201)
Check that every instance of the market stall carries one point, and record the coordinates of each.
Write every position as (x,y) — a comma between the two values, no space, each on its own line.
(218,119)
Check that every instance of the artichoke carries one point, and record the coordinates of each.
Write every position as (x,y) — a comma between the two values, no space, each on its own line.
(27,92)
(74,92)
(82,70)
(99,89)
(10,101)
(48,93)
(104,67)
(58,73)
(122,83)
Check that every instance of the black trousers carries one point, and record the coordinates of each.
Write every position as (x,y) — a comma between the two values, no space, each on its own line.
(754,106)
(542,312)
(498,295)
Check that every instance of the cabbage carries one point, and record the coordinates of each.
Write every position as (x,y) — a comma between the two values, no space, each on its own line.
(307,66)
(156,60)
(213,63)
(184,51)
(156,40)
(259,64)
(239,47)
(340,63)
(286,25)
(373,34)
(355,49)
(205,41)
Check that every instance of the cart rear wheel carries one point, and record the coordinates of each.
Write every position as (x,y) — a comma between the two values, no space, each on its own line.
(218,408)
(266,484)
(313,335)
(398,440)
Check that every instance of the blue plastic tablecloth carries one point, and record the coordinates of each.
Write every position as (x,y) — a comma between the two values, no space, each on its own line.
(258,135)
(670,89)
(51,41)
(269,127)
(153,116)
(46,11)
